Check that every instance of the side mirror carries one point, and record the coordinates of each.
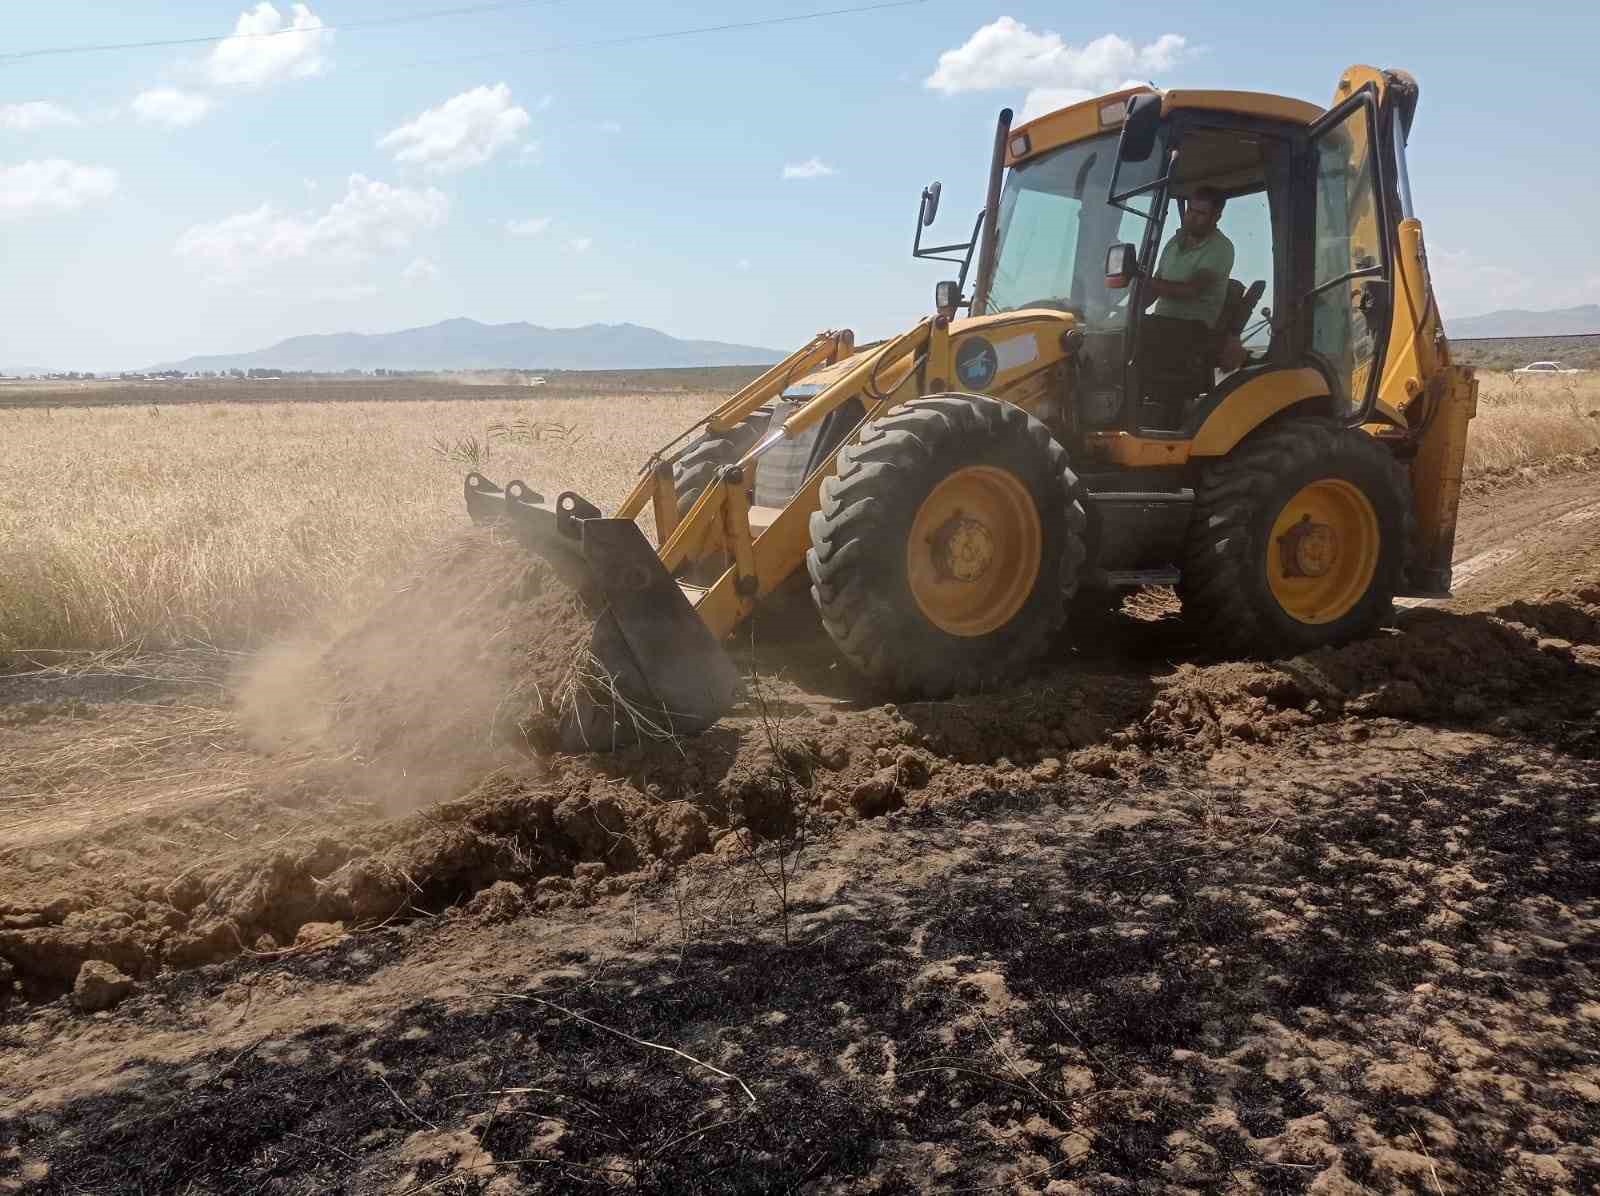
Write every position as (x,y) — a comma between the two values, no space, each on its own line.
(946,298)
(930,203)
(1139,128)
(1122,266)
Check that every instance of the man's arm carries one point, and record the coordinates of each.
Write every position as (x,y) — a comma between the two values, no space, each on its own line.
(1154,287)
(1162,288)
(1196,284)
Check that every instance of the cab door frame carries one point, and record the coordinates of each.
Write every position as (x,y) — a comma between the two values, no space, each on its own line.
(1378,291)
(1291,147)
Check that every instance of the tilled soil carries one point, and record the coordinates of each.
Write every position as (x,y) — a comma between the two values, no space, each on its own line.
(1324,925)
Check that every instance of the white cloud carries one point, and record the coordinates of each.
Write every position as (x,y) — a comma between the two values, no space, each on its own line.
(265,47)
(52,183)
(811,168)
(610,126)
(169,106)
(371,217)
(581,244)
(531,227)
(421,269)
(1007,54)
(743,263)
(466,130)
(36,114)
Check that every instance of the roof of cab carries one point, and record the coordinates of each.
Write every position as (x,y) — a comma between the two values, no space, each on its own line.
(1104,113)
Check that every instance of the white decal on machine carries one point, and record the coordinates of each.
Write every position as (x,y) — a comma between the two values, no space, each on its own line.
(1019,350)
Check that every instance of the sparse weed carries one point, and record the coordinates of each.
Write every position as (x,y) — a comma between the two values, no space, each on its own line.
(463,450)
(535,431)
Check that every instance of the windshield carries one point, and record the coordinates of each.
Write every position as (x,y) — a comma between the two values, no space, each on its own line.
(1054,229)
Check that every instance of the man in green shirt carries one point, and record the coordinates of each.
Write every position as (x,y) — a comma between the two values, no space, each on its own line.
(1188,288)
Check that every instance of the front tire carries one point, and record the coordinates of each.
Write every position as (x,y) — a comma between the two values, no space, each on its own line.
(1298,540)
(947,546)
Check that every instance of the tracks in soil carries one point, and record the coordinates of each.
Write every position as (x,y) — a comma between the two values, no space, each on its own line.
(1520,540)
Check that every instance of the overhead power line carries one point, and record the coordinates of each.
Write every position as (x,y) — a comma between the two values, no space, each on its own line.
(212,39)
(461,10)
(633,38)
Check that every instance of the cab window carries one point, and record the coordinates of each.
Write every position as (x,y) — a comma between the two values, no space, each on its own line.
(1055,226)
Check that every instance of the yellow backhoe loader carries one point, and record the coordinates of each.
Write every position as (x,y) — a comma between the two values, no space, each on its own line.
(955,491)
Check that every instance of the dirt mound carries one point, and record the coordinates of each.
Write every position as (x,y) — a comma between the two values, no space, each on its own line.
(580,846)
(1527,669)
(1571,615)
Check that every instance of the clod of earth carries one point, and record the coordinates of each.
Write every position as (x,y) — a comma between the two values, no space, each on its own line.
(99,986)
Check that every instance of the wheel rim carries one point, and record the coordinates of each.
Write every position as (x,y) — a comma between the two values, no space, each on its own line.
(1323,551)
(973,555)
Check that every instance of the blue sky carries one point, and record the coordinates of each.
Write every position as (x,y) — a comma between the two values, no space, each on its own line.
(752,185)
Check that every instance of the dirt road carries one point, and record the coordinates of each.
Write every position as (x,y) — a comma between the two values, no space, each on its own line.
(1147,924)
(1519,541)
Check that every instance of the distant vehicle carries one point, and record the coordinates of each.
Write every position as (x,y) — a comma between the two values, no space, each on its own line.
(1545,367)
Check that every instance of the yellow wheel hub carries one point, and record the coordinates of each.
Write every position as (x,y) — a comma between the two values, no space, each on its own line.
(974,550)
(1323,551)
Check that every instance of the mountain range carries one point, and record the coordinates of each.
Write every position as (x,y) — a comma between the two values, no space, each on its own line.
(463,344)
(1566,321)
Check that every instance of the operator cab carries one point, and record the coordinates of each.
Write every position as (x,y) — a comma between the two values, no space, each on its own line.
(1096,192)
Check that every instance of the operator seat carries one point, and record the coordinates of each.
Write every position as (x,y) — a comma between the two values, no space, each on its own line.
(1180,387)
(1238,305)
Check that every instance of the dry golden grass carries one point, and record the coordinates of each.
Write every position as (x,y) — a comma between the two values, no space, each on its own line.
(220,524)
(1525,421)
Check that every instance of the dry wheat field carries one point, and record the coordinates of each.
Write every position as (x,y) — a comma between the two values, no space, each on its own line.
(218,524)
(1525,421)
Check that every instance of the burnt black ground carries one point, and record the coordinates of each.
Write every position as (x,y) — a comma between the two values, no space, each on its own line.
(1152,977)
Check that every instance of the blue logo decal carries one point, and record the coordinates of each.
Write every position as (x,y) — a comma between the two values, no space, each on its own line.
(976,363)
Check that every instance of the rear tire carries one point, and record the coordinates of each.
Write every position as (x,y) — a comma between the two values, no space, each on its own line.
(1299,540)
(925,597)
(697,468)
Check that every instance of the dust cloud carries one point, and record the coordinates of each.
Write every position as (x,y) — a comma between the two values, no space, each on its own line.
(457,672)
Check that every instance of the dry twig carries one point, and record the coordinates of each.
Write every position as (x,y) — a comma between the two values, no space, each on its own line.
(654,1046)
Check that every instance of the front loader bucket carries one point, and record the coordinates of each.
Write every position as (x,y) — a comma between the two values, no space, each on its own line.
(656,668)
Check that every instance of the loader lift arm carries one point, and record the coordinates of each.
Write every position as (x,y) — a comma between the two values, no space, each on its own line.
(657,661)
